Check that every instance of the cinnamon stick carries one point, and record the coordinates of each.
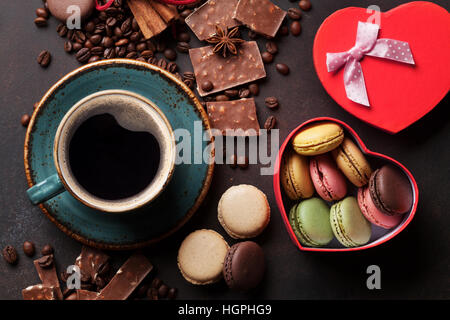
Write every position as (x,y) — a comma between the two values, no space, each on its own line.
(167,12)
(147,17)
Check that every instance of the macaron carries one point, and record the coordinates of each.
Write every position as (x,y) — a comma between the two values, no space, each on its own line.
(329,182)
(391,190)
(352,163)
(371,212)
(201,257)
(318,138)
(349,225)
(295,177)
(60,8)
(310,221)
(244,266)
(243,211)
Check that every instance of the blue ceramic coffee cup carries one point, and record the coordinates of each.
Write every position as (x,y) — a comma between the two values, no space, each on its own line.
(132,112)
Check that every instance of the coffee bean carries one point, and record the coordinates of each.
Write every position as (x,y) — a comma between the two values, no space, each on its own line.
(134,25)
(88,44)
(172,67)
(142,46)
(121,42)
(107,42)
(47,249)
(80,37)
(282,68)
(222,97)
(305,5)
(152,294)
(270,123)
(40,22)
(207,86)
(162,63)
(271,102)
(111,22)
(25,120)
(147,54)
(231,93)
(183,47)
(266,57)
(189,82)
(76,46)
(254,89)
(189,75)
(28,248)
(83,55)
(172,293)
(185,13)
(284,31)
(170,54)
(153,60)
(70,33)
(112,11)
(44,58)
(294,13)
(151,45)
(89,27)
(117,32)
(119,52)
(46,261)
(42,12)
(100,28)
(296,28)
(62,30)
(10,254)
(242,162)
(184,37)
(141,291)
(126,25)
(244,93)
(161,46)
(131,47)
(163,291)
(271,47)
(156,283)
(102,15)
(97,51)
(93,59)
(135,37)
(131,55)
(95,39)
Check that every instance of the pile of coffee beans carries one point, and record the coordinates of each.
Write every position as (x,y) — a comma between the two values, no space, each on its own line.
(11,255)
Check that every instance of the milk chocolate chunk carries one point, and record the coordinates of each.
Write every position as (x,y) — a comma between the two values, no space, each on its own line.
(127,278)
(39,292)
(48,276)
(225,73)
(261,16)
(204,20)
(86,295)
(91,262)
(234,118)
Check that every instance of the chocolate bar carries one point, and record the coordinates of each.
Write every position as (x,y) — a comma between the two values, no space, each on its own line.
(246,66)
(127,278)
(204,20)
(86,295)
(261,16)
(234,118)
(39,292)
(48,276)
(90,261)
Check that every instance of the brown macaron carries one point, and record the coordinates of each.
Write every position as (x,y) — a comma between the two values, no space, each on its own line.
(244,266)
(295,176)
(391,190)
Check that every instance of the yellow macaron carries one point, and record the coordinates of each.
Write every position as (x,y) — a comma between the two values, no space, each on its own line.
(318,138)
(352,162)
(295,176)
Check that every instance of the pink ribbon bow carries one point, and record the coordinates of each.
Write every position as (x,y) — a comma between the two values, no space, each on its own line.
(366,44)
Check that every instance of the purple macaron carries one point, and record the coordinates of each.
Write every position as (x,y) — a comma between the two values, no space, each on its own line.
(329,182)
(244,266)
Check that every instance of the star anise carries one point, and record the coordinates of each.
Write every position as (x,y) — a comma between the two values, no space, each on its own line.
(225,41)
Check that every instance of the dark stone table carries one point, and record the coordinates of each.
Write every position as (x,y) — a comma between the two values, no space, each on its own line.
(415,264)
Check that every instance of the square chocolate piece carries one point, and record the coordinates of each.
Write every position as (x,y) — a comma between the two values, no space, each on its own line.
(203,21)
(225,73)
(261,16)
(234,118)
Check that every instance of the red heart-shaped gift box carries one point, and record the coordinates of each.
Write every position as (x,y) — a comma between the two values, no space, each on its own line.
(399,93)
(379,235)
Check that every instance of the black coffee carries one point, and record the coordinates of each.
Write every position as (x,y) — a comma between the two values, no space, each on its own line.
(110,161)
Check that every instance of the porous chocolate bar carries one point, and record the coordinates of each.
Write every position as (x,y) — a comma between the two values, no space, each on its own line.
(234,118)
(204,20)
(90,261)
(261,16)
(39,292)
(225,73)
(126,279)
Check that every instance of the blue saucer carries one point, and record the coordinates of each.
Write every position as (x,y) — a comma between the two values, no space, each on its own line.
(181,198)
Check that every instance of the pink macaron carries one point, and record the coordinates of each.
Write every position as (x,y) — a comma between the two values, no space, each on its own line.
(371,212)
(329,182)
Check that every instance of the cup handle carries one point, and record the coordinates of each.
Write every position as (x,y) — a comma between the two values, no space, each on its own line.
(46,189)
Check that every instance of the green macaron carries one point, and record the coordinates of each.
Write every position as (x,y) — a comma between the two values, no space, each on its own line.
(310,220)
(349,225)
